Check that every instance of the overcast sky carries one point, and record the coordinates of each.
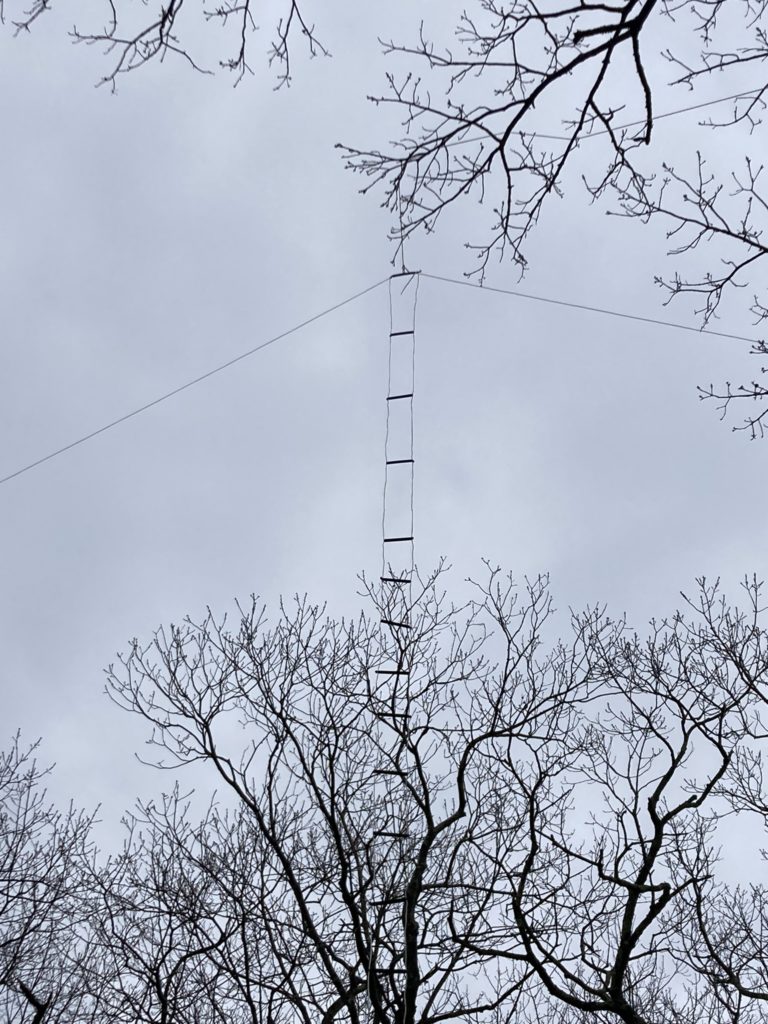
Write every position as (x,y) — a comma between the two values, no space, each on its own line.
(150,235)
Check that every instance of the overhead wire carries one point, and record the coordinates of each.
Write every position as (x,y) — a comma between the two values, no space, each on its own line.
(436,277)
(516,293)
(618,128)
(190,383)
(590,309)
(680,110)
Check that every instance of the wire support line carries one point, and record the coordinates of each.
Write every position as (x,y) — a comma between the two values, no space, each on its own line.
(673,113)
(533,134)
(191,383)
(592,309)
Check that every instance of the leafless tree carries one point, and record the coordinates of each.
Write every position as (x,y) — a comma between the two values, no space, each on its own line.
(503,115)
(44,949)
(701,210)
(474,122)
(132,38)
(626,917)
(361,791)
(461,820)
(158,918)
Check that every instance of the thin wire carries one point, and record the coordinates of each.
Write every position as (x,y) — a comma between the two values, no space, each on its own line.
(401,239)
(591,309)
(317,316)
(673,113)
(618,128)
(190,383)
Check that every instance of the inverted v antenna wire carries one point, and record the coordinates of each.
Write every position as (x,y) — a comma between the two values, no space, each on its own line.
(591,309)
(191,383)
(551,300)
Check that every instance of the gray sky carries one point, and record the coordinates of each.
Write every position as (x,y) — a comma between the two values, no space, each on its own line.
(151,235)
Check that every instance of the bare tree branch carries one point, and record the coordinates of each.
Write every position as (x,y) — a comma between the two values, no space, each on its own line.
(131,40)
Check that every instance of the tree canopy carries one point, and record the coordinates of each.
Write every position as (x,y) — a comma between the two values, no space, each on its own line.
(497,108)
(469,819)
